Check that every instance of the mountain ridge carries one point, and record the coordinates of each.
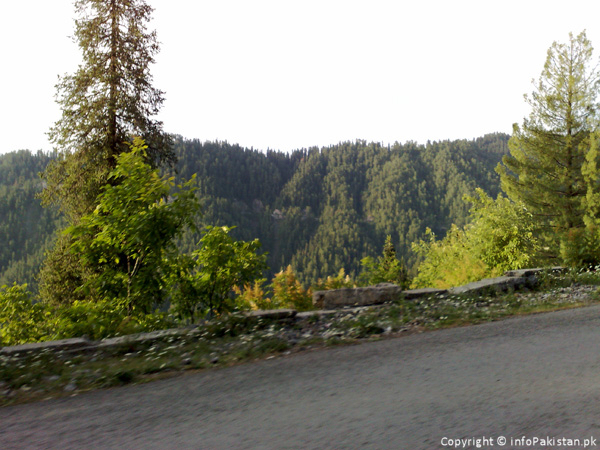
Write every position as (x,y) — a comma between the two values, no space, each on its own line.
(318,209)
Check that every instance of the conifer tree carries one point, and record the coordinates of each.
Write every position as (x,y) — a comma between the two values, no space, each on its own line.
(108,100)
(544,168)
(106,103)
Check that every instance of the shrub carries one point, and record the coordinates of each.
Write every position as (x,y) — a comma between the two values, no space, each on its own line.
(386,269)
(128,243)
(98,320)
(252,296)
(21,320)
(288,292)
(206,280)
(500,237)
(338,282)
(580,247)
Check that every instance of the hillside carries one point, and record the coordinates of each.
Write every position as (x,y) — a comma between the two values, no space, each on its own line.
(26,228)
(319,210)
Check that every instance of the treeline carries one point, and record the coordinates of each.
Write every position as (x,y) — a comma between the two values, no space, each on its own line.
(318,210)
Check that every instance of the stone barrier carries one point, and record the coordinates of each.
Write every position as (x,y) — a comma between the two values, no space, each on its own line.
(363,296)
(411,294)
(491,286)
(327,303)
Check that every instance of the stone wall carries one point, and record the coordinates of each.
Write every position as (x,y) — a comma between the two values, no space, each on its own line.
(326,303)
(363,296)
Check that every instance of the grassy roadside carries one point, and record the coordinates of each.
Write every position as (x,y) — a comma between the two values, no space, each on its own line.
(239,339)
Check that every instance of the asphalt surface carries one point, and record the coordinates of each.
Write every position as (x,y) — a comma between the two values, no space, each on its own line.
(536,377)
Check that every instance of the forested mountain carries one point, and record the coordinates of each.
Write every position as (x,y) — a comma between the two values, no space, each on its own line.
(319,210)
(26,228)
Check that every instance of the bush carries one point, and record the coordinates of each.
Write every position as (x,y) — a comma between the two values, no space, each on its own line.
(580,247)
(127,245)
(447,262)
(386,269)
(98,320)
(21,320)
(338,282)
(205,281)
(254,297)
(501,236)
(288,292)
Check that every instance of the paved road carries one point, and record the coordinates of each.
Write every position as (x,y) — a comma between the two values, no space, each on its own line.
(536,376)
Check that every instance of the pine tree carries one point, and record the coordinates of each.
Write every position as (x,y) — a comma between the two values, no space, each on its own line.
(386,269)
(544,168)
(108,100)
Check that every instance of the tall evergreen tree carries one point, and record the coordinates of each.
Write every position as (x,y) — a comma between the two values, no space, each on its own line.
(544,168)
(108,100)
(105,103)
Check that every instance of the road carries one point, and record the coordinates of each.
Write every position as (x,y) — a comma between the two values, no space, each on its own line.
(536,376)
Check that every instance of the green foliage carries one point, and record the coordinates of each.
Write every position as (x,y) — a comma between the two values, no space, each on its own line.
(26,228)
(340,281)
(253,296)
(591,175)
(21,320)
(337,203)
(386,269)
(289,292)
(106,101)
(546,168)
(447,262)
(503,233)
(128,241)
(206,279)
(62,274)
(580,248)
(501,236)
(101,319)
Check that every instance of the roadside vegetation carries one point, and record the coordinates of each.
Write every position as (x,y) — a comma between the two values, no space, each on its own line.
(238,338)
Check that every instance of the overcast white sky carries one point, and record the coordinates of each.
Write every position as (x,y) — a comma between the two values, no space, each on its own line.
(289,74)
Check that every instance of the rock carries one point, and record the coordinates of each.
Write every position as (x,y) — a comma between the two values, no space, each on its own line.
(522,272)
(60,345)
(142,338)
(370,295)
(424,292)
(491,286)
(317,315)
(70,387)
(275,314)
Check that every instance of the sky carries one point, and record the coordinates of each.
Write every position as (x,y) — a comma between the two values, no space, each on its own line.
(291,74)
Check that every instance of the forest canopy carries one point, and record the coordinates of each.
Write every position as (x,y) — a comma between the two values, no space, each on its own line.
(318,209)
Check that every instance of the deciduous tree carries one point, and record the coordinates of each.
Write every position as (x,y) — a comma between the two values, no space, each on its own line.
(128,242)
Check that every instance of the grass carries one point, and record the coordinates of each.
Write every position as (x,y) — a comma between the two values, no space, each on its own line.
(238,339)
